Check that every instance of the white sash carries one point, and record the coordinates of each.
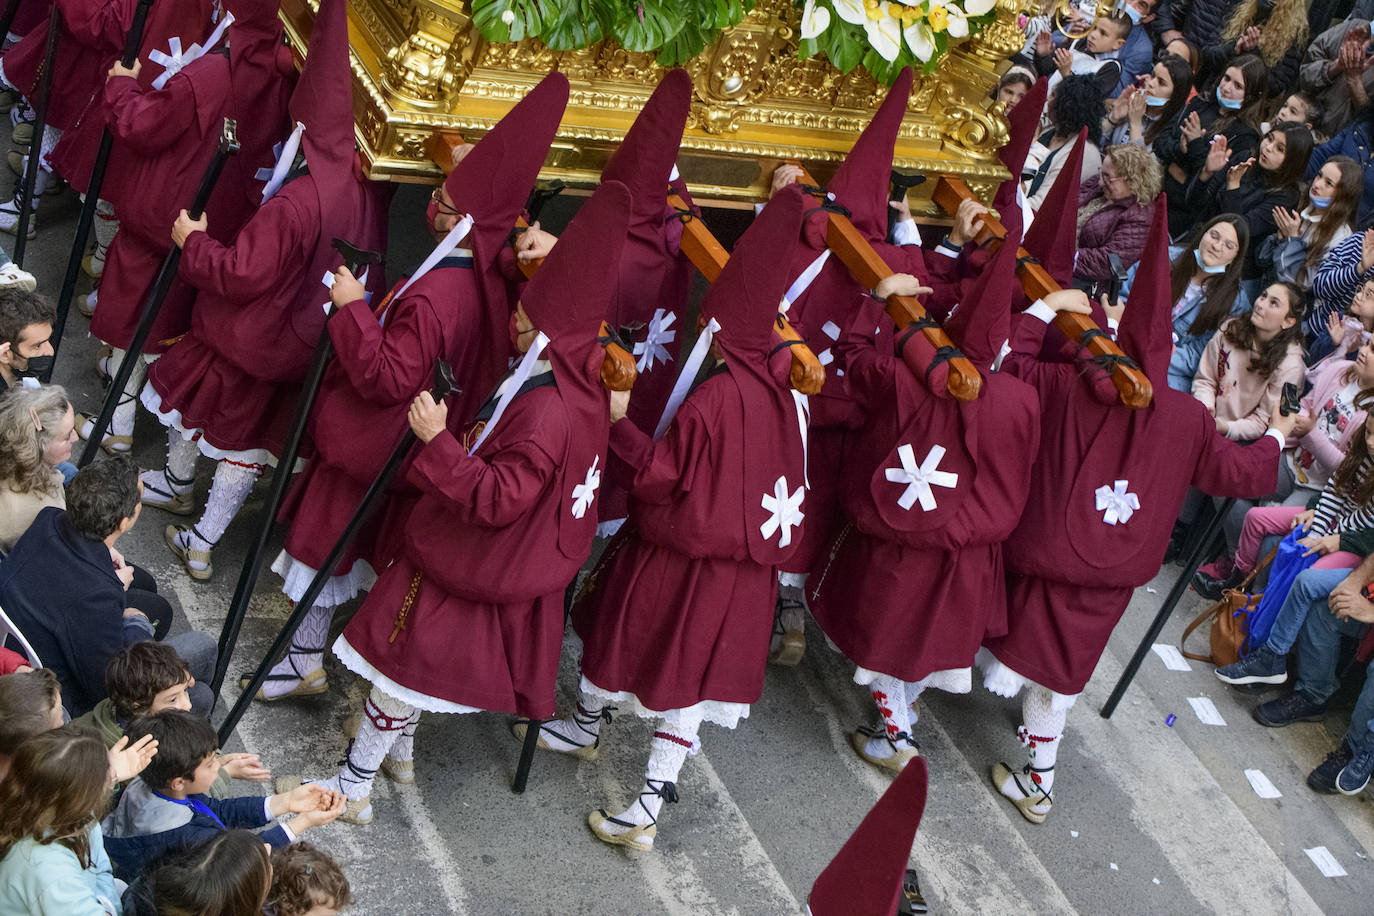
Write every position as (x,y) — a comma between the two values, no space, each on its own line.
(522,375)
(283,165)
(686,377)
(175,61)
(441,251)
(794,292)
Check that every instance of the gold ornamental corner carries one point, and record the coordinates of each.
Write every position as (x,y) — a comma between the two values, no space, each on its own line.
(420,67)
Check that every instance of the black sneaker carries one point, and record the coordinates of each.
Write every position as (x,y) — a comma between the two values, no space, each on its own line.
(1262,666)
(1323,778)
(1355,776)
(1286,710)
(912,901)
(1211,588)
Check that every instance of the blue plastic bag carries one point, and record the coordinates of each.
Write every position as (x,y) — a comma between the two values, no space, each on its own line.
(1288,562)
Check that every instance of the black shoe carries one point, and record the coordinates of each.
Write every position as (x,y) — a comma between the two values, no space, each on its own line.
(1323,778)
(911,901)
(1211,588)
(1286,710)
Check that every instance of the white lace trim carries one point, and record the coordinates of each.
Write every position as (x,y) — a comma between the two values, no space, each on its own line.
(361,667)
(1005,682)
(797,580)
(717,712)
(950,680)
(297,576)
(172,420)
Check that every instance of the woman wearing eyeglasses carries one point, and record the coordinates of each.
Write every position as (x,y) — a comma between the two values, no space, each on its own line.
(1205,286)
(1114,211)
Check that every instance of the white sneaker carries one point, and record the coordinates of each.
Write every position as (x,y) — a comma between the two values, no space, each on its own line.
(12,275)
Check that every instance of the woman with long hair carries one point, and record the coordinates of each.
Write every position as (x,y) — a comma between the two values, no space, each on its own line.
(1232,107)
(227,875)
(1302,239)
(1078,102)
(37,430)
(1253,187)
(52,857)
(1276,30)
(1141,114)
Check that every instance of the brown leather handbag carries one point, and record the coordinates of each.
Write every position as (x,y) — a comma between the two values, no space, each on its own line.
(1230,621)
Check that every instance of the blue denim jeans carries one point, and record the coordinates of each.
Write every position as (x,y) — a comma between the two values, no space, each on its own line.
(1318,651)
(1311,587)
(1361,729)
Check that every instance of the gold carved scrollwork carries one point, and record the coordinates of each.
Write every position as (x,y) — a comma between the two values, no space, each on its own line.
(428,68)
(737,70)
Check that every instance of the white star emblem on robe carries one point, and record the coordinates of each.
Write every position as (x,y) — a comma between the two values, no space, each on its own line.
(786,512)
(585,492)
(1116,503)
(172,60)
(920,479)
(825,357)
(657,336)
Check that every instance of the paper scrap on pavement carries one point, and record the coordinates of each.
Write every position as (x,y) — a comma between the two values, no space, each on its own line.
(1172,658)
(1261,784)
(1074,834)
(1152,591)
(1324,860)
(1113,865)
(1206,711)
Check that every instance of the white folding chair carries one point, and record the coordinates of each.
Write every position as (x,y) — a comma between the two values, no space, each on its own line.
(7,626)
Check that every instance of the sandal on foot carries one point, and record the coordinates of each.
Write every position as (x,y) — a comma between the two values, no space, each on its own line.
(636,834)
(166,497)
(580,719)
(789,644)
(904,749)
(188,555)
(308,685)
(110,443)
(1023,791)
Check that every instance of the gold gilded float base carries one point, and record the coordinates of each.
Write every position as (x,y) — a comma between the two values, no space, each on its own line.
(420,67)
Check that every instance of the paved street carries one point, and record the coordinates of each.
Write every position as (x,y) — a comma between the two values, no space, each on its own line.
(1148,818)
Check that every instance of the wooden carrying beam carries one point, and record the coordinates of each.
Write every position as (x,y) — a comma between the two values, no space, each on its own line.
(854,251)
(1131,384)
(709,256)
(618,371)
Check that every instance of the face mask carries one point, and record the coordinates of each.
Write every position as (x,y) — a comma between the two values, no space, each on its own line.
(1321,203)
(432,214)
(1214,269)
(38,365)
(1132,14)
(1232,104)
(1154,101)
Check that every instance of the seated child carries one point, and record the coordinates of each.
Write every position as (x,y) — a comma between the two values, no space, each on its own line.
(306,882)
(143,680)
(30,704)
(227,875)
(167,808)
(1094,54)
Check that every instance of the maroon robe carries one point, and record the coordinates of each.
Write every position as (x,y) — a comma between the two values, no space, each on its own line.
(908,592)
(484,626)
(360,416)
(1070,574)
(681,612)
(164,139)
(92,38)
(235,373)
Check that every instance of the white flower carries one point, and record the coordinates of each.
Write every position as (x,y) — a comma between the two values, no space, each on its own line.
(958,23)
(851,11)
(815,19)
(884,32)
(508,17)
(979,7)
(920,39)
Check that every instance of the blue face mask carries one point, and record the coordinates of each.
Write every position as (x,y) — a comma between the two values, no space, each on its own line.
(1232,104)
(1133,14)
(1321,203)
(1154,101)
(1214,269)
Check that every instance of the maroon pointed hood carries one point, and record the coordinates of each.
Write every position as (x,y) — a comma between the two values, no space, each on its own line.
(1146,333)
(1023,123)
(745,299)
(494,180)
(567,300)
(862,181)
(1053,237)
(982,322)
(323,102)
(865,877)
(259,86)
(644,160)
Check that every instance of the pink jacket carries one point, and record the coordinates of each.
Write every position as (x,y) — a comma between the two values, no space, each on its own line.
(1234,394)
(1327,451)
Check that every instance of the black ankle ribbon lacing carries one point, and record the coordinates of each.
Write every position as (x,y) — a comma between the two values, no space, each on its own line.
(665,790)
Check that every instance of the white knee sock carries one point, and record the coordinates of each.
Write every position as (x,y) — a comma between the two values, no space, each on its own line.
(890,695)
(666,755)
(384,719)
(306,653)
(104,228)
(404,748)
(1042,733)
(122,424)
(232,484)
(181,461)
